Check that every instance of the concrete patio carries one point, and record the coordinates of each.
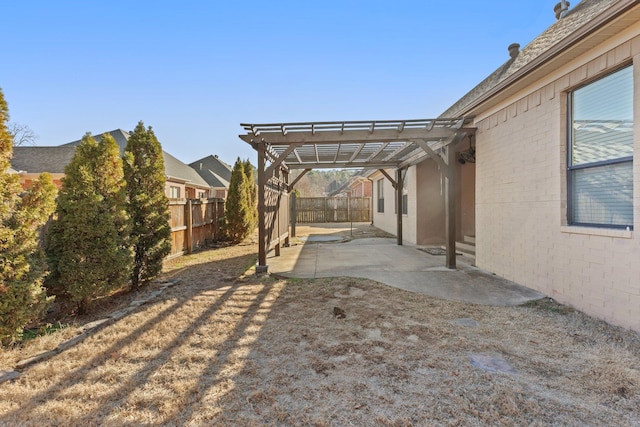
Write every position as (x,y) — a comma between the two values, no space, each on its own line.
(332,252)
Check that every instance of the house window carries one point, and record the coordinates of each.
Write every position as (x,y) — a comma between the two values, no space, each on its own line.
(405,196)
(600,160)
(202,195)
(380,188)
(174,192)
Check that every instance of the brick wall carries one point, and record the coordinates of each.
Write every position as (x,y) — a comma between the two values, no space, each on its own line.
(521,226)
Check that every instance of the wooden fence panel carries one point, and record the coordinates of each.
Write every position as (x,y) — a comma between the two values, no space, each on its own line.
(276,214)
(194,222)
(333,209)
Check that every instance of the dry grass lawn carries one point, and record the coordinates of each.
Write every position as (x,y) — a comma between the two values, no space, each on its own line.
(228,348)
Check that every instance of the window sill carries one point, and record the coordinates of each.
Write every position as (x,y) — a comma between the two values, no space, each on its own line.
(593,231)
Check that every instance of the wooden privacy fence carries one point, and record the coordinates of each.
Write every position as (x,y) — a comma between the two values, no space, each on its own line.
(276,204)
(332,209)
(194,222)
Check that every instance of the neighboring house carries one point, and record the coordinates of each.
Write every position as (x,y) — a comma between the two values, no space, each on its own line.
(555,190)
(181,180)
(216,173)
(31,161)
(357,186)
(360,186)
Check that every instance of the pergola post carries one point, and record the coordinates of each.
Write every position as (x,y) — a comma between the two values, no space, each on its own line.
(262,266)
(399,205)
(450,207)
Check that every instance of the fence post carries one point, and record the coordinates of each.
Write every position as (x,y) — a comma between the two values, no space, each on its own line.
(294,214)
(189,218)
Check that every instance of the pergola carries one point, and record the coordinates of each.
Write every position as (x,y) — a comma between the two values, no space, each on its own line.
(382,145)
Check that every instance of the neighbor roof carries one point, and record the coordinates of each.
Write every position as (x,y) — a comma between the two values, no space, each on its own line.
(42,159)
(120,136)
(55,159)
(213,170)
(174,168)
(577,20)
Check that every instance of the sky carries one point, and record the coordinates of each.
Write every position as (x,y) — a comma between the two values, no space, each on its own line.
(194,70)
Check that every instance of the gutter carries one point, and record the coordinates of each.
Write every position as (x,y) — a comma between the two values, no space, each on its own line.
(579,34)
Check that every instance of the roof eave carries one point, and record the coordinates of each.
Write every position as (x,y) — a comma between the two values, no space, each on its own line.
(580,34)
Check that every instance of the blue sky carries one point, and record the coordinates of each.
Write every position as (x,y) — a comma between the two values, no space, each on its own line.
(194,70)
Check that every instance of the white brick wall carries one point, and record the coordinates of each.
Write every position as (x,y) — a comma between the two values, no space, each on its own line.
(521,202)
(388,221)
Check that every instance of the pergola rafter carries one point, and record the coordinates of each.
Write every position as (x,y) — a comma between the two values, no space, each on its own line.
(380,144)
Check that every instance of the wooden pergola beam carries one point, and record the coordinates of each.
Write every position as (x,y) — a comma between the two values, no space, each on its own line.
(353,136)
(393,182)
(298,178)
(280,159)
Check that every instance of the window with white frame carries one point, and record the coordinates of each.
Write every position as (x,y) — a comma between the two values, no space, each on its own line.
(600,152)
(174,192)
(380,192)
(405,194)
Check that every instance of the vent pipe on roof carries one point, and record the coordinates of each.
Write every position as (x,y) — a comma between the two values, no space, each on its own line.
(514,49)
(200,165)
(561,9)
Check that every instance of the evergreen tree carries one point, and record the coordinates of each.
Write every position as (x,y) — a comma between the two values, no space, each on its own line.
(252,195)
(88,246)
(237,225)
(148,206)
(22,298)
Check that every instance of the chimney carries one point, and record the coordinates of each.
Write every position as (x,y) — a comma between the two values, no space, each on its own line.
(514,50)
(561,9)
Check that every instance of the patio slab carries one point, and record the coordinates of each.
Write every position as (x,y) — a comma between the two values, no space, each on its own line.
(405,267)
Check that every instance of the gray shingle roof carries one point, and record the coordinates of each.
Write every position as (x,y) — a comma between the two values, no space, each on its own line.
(121,137)
(584,12)
(213,170)
(55,159)
(42,159)
(176,169)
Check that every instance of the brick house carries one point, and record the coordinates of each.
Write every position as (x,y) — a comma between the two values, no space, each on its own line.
(216,173)
(548,186)
(182,181)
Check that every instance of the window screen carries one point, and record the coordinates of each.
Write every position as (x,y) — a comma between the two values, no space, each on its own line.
(600,169)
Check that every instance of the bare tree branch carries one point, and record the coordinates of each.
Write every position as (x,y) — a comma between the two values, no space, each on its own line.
(21,134)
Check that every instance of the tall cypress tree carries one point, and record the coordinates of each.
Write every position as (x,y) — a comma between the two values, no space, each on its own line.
(148,205)
(237,215)
(88,246)
(22,298)
(252,195)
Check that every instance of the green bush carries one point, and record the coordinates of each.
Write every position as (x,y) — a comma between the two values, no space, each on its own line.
(87,246)
(22,297)
(148,206)
(239,219)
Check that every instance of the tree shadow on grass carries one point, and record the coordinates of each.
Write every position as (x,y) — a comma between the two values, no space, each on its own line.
(93,382)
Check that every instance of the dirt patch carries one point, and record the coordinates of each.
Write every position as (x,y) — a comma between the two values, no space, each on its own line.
(225,347)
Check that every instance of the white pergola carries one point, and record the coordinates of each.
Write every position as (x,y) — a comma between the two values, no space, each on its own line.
(386,144)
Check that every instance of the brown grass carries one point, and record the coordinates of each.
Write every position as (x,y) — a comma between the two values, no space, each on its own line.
(228,348)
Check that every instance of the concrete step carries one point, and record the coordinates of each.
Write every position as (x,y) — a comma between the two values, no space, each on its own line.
(469,248)
(469,239)
(466,249)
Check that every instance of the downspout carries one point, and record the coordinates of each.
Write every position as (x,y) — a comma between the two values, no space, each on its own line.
(371,180)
